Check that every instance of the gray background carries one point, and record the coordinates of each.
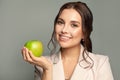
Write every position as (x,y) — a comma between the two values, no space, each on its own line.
(22,20)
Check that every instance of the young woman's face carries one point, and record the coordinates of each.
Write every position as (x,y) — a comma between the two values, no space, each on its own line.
(68,28)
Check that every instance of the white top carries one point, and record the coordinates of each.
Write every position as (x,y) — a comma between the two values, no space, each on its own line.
(101,69)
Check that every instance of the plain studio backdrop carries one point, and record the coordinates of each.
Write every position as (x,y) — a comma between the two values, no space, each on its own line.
(22,20)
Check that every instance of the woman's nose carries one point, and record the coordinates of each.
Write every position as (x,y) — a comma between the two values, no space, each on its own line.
(65,29)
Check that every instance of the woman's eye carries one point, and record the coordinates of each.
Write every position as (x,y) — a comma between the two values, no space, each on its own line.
(74,25)
(60,22)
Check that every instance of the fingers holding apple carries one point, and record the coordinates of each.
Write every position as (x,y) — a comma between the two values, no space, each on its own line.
(26,55)
(39,61)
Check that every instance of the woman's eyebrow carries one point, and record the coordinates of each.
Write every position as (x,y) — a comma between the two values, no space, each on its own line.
(73,21)
(60,19)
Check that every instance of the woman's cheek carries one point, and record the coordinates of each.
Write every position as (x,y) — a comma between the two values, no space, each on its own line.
(57,33)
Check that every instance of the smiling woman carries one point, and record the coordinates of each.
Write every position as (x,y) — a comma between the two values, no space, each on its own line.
(74,60)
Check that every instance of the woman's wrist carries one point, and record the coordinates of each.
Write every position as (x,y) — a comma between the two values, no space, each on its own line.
(47,73)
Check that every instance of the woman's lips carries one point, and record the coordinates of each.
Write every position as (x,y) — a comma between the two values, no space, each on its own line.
(64,37)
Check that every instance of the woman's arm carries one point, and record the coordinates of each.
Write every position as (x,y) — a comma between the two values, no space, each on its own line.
(42,62)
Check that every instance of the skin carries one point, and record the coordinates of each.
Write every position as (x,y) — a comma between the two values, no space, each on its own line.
(68,31)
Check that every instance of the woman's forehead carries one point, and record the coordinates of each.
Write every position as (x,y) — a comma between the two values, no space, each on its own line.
(70,14)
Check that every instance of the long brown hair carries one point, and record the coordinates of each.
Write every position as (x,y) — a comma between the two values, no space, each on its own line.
(87,21)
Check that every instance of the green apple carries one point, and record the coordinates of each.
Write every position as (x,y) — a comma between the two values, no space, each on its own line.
(35,46)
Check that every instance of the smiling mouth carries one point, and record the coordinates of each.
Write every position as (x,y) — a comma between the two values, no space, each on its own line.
(64,37)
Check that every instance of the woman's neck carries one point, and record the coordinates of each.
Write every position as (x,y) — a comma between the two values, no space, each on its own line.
(70,53)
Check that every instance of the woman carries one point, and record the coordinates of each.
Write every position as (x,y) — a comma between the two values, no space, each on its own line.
(74,60)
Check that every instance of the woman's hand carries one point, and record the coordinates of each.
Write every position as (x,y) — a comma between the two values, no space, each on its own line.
(39,61)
